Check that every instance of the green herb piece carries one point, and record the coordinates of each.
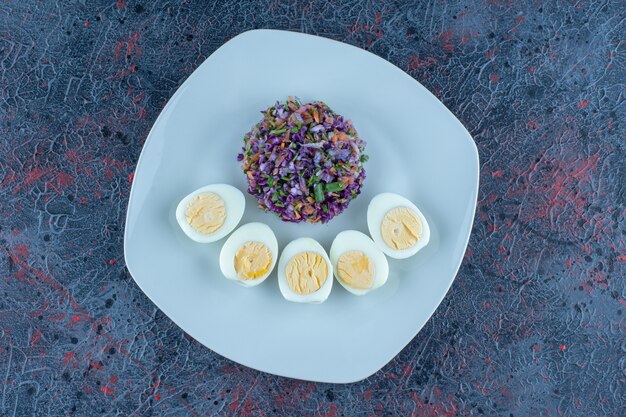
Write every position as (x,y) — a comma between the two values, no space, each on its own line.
(334,186)
(325,208)
(364,158)
(274,197)
(318,192)
(313,179)
(279,204)
(278,131)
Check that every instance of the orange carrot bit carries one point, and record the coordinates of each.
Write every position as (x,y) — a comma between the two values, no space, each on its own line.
(316,115)
(250,176)
(310,200)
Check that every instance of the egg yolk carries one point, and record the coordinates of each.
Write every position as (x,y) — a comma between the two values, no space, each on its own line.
(401,228)
(252,260)
(306,272)
(206,213)
(356,270)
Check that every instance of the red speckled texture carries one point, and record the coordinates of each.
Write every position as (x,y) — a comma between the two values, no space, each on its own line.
(533,324)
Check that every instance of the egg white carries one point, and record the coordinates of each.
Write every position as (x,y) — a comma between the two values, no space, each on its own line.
(304,244)
(234,202)
(376,210)
(250,232)
(353,240)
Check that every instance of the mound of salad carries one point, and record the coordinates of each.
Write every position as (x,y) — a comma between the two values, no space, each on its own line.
(303,162)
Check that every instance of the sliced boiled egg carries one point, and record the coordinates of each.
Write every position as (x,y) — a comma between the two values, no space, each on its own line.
(305,274)
(249,254)
(210,213)
(396,225)
(359,265)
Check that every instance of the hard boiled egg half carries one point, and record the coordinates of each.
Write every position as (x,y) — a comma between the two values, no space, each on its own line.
(249,254)
(358,264)
(305,274)
(210,213)
(396,225)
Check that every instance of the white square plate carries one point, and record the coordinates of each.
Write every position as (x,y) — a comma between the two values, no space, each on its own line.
(417,149)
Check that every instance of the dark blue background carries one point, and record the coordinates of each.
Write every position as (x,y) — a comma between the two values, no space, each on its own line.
(533,324)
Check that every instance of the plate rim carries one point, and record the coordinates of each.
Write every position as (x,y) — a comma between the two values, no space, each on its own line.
(468,137)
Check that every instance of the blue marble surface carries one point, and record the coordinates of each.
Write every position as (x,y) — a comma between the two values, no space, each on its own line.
(533,324)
